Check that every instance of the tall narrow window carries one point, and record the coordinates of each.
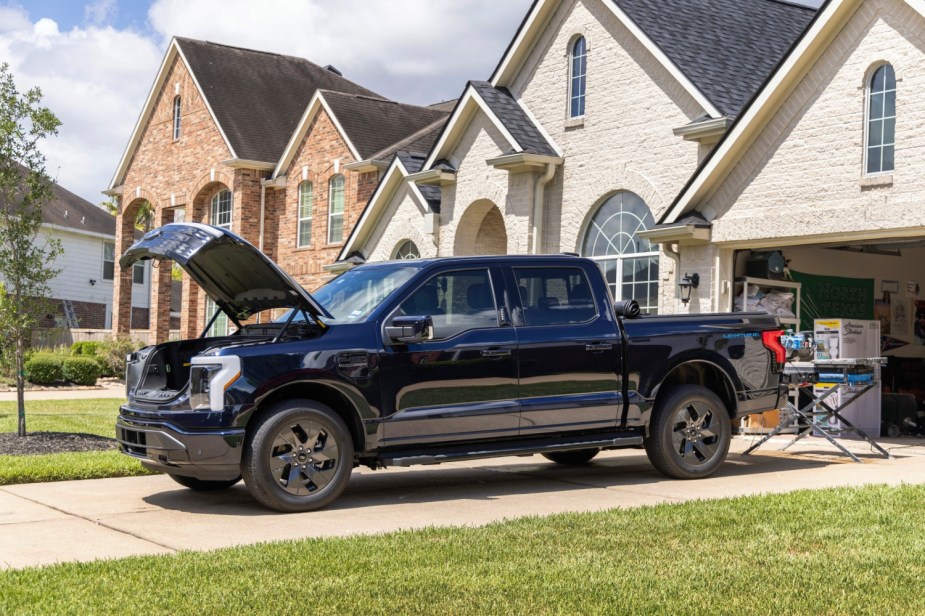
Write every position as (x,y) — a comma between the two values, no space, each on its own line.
(109,260)
(336,210)
(630,262)
(881,120)
(138,273)
(176,117)
(305,214)
(221,209)
(577,77)
(220,327)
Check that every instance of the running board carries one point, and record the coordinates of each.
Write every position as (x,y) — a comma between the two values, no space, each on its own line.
(409,458)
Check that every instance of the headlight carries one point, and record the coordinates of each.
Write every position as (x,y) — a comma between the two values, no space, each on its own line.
(210,377)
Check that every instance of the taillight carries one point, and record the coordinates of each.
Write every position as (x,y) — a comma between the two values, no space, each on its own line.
(771,340)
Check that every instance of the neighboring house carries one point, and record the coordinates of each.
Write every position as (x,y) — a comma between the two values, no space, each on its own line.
(81,293)
(279,150)
(595,118)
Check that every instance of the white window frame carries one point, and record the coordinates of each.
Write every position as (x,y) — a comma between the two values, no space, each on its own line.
(402,247)
(222,325)
(581,96)
(217,211)
(305,219)
(869,94)
(105,261)
(333,192)
(138,271)
(177,108)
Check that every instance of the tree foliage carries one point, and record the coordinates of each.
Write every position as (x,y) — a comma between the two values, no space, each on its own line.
(25,262)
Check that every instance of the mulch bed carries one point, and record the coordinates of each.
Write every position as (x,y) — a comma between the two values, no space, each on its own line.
(35,443)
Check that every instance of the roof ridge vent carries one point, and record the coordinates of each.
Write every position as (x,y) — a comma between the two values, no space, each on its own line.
(333,69)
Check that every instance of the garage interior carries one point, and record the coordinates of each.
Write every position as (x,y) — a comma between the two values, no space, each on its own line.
(878,280)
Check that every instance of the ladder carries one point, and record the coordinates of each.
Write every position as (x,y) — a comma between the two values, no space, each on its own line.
(69,313)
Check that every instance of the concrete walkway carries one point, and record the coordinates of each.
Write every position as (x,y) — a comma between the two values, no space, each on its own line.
(113,518)
(110,390)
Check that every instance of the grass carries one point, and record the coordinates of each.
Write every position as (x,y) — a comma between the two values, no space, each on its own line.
(91,416)
(844,551)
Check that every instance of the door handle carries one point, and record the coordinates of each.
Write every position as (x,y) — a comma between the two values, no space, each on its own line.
(496,352)
(597,347)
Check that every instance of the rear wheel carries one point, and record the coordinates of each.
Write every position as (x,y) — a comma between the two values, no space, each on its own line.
(572,458)
(689,433)
(203,485)
(297,457)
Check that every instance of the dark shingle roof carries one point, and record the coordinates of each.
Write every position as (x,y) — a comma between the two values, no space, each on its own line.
(417,144)
(512,116)
(241,85)
(413,162)
(65,209)
(374,123)
(727,48)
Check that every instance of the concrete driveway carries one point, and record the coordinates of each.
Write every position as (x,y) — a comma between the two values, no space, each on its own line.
(112,518)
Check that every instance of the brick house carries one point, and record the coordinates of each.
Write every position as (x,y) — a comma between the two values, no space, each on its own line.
(595,118)
(280,150)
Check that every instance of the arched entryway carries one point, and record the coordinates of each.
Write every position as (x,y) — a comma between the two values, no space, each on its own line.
(481,231)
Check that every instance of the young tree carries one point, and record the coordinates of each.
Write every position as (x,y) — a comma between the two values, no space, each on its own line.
(25,263)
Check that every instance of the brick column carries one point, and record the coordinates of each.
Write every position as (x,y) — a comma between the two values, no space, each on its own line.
(161,288)
(122,283)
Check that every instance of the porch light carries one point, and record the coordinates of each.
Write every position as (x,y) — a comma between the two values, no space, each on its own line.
(687,284)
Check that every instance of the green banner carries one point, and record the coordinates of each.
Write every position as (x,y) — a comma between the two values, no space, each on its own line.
(833,297)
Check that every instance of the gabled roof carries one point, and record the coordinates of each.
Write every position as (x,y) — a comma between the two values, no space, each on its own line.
(727,48)
(374,123)
(741,135)
(720,51)
(514,118)
(518,129)
(65,210)
(369,126)
(256,98)
(243,85)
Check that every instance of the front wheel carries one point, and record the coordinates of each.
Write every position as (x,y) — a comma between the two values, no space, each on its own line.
(689,433)
(297,457)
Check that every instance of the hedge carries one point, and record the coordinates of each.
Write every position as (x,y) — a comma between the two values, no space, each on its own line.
(45,369)
(81,370)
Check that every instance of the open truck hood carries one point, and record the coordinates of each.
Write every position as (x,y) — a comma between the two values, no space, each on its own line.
(240,279)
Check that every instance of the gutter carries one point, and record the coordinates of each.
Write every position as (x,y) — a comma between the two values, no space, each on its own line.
(539,200)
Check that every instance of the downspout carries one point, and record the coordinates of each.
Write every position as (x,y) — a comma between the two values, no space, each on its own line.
(263,201)
(539,201)
(674,254)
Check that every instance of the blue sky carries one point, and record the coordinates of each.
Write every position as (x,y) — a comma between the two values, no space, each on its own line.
(95,60)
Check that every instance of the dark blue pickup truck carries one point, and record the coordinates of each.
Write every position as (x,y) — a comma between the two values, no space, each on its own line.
(427,361)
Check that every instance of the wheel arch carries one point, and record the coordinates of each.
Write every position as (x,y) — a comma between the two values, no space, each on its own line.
(327,394)
(704,373)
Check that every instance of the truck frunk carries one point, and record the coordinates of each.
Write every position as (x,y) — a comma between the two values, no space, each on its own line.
(426,361)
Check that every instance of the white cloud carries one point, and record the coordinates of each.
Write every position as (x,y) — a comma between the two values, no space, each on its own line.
(95,78)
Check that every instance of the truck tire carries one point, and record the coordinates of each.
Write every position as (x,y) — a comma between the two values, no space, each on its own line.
(297,457)
(689,433)
(575,457)
(204,485)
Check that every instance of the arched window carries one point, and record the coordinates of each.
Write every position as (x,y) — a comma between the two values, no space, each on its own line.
(176,117)
(407,250)
(578,67)
(305,214)
(630,263)
(336,210)
(881,120)
(221,209)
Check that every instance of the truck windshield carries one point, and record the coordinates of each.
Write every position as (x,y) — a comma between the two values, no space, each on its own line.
(354,294)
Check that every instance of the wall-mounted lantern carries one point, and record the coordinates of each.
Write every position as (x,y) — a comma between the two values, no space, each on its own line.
(687,284)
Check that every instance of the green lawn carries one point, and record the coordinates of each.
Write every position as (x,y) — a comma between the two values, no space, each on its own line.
(845,551)
(94,416)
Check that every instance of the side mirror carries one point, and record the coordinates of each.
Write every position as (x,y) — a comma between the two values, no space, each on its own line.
(410,329)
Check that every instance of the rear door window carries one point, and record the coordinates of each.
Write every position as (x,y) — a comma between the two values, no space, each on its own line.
(554,295)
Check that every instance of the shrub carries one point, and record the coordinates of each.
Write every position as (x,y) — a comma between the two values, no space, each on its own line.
(113,353)
(81,370)
(86,348)
(44,369)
